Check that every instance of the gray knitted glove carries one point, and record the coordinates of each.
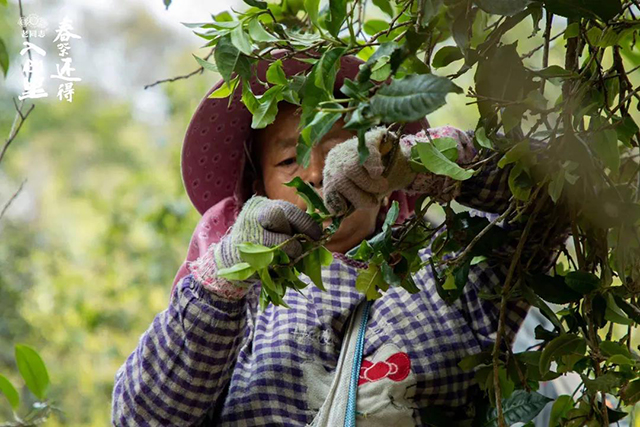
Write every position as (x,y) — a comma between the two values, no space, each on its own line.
(262,221)
(266,222)
(346,182)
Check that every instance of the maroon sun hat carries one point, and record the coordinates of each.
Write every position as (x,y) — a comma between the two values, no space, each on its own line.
(220,135)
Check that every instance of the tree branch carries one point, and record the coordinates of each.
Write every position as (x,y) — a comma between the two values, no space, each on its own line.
(184,76)
(6,206)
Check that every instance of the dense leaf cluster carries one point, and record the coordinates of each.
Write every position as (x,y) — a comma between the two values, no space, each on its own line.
(587,162)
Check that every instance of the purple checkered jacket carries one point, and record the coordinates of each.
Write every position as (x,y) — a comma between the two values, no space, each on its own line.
(210,361)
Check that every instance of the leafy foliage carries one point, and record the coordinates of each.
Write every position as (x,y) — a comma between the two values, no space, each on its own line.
(588,135)
(35,375)
(583,109)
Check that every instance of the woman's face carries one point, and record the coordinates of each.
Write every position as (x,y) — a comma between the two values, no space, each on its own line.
(276,150)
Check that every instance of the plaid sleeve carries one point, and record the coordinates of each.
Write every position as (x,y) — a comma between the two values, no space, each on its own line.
(488,191)
(439,187)
(182,362)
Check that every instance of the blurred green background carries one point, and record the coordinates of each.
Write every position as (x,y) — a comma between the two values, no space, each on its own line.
(89,248)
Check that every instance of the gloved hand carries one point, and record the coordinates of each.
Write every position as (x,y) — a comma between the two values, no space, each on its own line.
(262,221)
(346,182)
(266,222)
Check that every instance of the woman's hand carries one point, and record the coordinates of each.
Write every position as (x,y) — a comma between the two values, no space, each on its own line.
(346,182)
(261,221)
(269,223)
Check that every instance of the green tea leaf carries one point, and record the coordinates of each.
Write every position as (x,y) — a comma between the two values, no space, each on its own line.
(564,344)
(503,7)
(326,68)
(626,128)
(319,126)
(9,392)
(4,58)
(560,409)
(437,163)
(535,100)
(392,50)
(325,256)
(207,65)
(613,313)
(312,95)
(630,310)
(536,301)
(556,185)
(409,284)
(429,9)
(605,144)
(446,56)
(259,34)
(258,256)
(226,57)
(506,385)
(311,266)
(620,360)
(482,139)
(226,89)
(522,150)
(447,146)
(256,3)
(385,6)
(503,76)
(273,289)
(604,10)
(412,97)
(309,195)
(362,252)
(373,26)
(521,407)
(519,182)
(604,383)
(449,282)
(240,271)
(369,281)
(303,153)
(631,393)
(241,41)
(311,7)
(267,110)
(392,216)
(338,14)
(471,361)
(248,98)
(33,370)
(275,73)
(552,289)
(554,71)
(582,282)
(512,116)
(389,276)
(243,67)
(572,31)
(614,415)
